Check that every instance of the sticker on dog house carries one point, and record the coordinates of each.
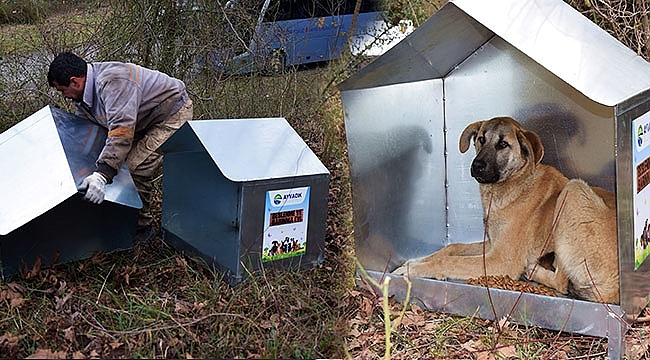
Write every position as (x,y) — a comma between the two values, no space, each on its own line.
(285,223)
(641,137)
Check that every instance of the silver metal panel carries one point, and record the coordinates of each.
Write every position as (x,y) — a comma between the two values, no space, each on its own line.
(581,317)
(82,142)
(567,44)
(72,230)
(201,207)
(431,51)
(216,177)
(255,149)
(549,31)
(45,157)
(635,282)
(498,80)
(28,150)
(547,66)
(396,150)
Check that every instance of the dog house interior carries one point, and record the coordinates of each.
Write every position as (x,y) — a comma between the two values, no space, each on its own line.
(540,62)
(45,217)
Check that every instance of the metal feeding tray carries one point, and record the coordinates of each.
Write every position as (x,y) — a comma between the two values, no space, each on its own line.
(244,194)
(540,62)
(42,215)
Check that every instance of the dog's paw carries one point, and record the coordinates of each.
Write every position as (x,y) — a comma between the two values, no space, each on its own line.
(410,267)
(420,268)
(402,270)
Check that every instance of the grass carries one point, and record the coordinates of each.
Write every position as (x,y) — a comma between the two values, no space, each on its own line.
(72,27)
(166,306)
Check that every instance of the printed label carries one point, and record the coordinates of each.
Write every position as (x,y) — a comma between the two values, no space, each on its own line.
(285,223)
(641,176)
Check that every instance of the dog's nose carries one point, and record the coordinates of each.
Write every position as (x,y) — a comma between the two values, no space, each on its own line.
(478,167)
(482,173)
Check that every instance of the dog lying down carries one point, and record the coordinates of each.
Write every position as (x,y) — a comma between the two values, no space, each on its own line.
(558,232)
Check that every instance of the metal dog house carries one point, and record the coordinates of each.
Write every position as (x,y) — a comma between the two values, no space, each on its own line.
(549,67)
(244,194)
(44,158)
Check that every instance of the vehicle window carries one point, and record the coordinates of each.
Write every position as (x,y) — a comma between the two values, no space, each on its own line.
(281,10)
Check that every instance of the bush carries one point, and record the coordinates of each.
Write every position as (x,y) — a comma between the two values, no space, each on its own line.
(22,12)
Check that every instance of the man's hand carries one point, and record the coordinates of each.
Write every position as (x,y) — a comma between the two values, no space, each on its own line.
(94,185)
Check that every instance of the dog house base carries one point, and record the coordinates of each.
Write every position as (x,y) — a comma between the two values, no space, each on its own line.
(553,313)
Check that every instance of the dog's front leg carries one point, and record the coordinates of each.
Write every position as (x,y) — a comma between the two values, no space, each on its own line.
(462,249)
(461,267)
(459,249)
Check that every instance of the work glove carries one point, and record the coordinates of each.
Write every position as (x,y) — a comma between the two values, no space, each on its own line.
(94,185)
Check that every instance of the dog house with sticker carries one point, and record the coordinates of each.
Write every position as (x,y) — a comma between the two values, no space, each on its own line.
(244,194)
(42,216)
(541,62)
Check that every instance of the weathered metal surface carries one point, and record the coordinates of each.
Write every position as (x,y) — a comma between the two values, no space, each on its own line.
(538,61)
(220,177)
(44,158)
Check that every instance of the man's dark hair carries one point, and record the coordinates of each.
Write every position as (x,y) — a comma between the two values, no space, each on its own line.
(64,66)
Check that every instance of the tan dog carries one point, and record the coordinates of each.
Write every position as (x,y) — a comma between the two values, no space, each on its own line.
(531,211)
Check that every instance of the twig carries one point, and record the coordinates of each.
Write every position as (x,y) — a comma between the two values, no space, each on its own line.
(104,284)
(389,326)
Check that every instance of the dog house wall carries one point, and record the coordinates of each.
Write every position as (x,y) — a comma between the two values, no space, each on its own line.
(217,176)
(538,61)
(386,138)
(44,158)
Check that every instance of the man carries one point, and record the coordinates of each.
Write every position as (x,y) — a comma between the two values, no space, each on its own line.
(141,108)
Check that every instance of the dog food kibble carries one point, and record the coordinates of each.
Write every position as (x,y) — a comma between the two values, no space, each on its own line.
(506,283)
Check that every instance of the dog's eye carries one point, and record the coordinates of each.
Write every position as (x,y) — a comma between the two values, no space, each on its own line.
(481,140)
(502,145)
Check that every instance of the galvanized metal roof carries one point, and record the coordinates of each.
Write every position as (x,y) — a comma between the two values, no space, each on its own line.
(43,158)
(235,147)
(550,32)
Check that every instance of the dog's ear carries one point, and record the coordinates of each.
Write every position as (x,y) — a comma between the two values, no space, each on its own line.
(470,131)
(531,145)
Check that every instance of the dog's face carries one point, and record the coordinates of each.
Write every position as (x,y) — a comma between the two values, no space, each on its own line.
(503,147)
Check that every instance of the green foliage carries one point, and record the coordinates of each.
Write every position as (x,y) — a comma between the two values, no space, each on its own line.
(416,10)
(32,11)
(22,11)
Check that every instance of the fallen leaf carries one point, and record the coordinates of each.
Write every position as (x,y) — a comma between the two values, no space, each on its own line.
(47,354)
(10,340)
(69,334)
(472,346)
(15,287)
(485,355)
(16,303)
(36,269)
(61,301)
(508,351)
(503,323)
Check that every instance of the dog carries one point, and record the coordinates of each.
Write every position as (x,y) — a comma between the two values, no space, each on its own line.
(538,223)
